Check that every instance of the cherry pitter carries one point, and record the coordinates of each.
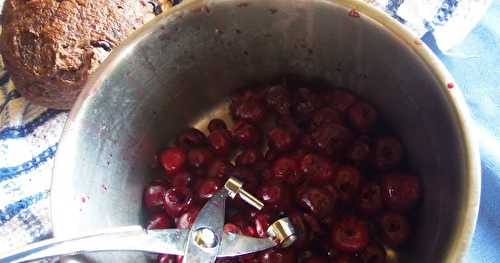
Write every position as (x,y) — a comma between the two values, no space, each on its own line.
(203,243)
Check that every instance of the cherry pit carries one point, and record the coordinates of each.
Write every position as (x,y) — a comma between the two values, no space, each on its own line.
(320,156)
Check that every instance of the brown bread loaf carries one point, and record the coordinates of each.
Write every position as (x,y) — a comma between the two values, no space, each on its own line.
(51,46)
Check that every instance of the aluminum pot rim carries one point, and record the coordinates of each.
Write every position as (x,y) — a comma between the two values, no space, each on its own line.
(462,238)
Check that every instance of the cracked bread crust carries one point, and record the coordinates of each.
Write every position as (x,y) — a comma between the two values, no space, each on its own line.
(51,46)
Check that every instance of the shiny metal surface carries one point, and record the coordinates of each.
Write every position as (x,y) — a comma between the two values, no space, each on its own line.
(205,237)
(204,242)
(282,232)
(178,70)
(240,245)
(235,188)
(133,238)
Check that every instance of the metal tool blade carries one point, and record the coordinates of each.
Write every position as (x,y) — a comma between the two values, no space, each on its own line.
(129,238)
(173,241)
(167,241)
(205,236)
(237,245)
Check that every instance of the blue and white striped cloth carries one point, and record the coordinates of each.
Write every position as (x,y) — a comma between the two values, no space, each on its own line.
(29,134)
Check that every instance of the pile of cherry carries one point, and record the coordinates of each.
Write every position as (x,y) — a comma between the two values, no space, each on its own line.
(320,157)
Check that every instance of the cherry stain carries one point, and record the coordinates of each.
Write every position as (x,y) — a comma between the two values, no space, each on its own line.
(83,199)
(354,13)
(451,85)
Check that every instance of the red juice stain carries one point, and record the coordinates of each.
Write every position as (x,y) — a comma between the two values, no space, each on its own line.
(451,85)
(354,13)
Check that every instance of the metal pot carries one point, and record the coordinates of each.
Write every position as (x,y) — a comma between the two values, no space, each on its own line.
(177,71)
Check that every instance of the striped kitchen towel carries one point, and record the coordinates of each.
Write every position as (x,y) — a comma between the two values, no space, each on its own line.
(29,134)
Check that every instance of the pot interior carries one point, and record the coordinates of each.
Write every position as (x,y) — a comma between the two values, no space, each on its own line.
(182,69)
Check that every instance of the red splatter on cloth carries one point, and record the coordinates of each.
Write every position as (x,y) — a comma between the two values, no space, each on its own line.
(451,85)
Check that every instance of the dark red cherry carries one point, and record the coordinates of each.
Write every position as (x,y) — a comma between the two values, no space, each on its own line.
(347,180)
(208,187)
(326,115)
(245,134)
(248,176)
(317,200)
(362,115)
(305,103)
(360,151)
(173,159)
(275,196)
(250,231)
(162,181)
(349,235)
(251,111)
(395,228)
(317,259)
(159,221)
(177,200)
(373,253)
(164,258)
(299,154)
(344,258)
(388,153)
(182,179)
(302,231)
(199,157)
(287,169)
(332,139)
(191,138)
(216,124)
(240,219)
(248,157)
(312,223)
(370,199)
(261,166)
(307,141)
(280,140)
(341,99)
(227,260)
(186,219)
(317,168)
(278,98)
(220,142)
(153,197)
(289,124)
(278,256)
(219,169)
(400,192)
(262,221)
(247,107)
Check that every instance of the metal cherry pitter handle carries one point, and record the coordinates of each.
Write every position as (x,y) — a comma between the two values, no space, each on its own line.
(203,243)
